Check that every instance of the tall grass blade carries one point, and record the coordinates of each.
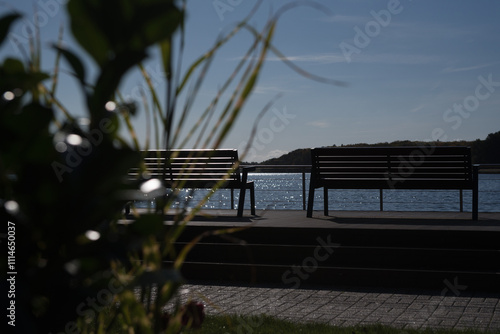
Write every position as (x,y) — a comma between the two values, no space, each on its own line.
(57,61)
(157,109)
(249,85)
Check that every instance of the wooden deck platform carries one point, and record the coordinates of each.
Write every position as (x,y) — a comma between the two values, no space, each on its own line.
(422,220)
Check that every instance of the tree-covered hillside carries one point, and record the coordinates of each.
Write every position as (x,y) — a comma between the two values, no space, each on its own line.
(485,151)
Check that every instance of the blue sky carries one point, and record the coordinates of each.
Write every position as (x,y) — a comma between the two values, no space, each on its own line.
(417,70)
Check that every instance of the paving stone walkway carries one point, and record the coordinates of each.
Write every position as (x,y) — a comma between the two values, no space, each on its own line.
(452,307)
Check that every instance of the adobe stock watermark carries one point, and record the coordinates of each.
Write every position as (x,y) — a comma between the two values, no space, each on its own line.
(256,310)
(300,273)
(266,135)
(455,117)
(439,308)
(470,104)
(221,7)
(45,10)
(407,166)
(363,37)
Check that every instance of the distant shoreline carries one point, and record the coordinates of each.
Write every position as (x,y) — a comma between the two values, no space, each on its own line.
(485,151)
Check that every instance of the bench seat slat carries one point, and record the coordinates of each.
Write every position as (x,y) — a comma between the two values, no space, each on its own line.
(384,170)
(204,184)
(395,184)
(221,153)
(213,177)
(363,177)
(185,164)
(393,159)
(393,164)
(394,151)
(205,170)
(190,161)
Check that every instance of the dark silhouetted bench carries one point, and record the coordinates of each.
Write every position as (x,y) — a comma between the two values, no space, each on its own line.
(198,169)
(425,167)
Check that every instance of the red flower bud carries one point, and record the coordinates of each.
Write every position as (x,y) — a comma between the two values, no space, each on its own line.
(193,314)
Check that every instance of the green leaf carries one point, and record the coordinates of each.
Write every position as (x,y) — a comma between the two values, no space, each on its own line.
(108,29)
(109,79)
(5,23)
(13,66)
(35,118)
(75,63)
(14,76)
(88,34)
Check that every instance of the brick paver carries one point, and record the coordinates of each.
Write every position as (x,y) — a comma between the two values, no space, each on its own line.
(344,307)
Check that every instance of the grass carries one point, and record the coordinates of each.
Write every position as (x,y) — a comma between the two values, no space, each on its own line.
(265,324)
(269,325)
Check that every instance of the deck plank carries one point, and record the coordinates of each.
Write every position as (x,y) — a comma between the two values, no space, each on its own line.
(403,220)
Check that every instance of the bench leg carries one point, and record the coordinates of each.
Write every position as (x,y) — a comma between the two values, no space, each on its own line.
(252,200)
(241,202)
(127,208)
(381,196)
(461,200)
(475,192)
(310,200)
(232,199)
(325,198)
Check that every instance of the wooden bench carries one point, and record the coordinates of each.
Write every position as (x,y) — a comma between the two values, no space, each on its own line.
(424,167)
(198,169)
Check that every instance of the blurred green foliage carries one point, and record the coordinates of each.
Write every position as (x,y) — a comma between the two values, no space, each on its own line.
(63,189)
(63,183)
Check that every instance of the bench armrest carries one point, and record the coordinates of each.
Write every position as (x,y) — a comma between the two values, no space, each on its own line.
(246,169)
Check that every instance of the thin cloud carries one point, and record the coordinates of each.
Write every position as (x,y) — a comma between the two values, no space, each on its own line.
(389,58)
(351,19)
(420,107)
(272,89)
(469,68)
(319,124)
(323,58)
(366,58)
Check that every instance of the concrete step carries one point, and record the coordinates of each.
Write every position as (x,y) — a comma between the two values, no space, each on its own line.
(347,256)
(424,238)
(424,258)
(341,276)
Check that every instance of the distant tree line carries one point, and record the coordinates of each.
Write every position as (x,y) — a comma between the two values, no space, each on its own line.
(485,151)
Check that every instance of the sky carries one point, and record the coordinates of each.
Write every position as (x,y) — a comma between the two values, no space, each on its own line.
(408,70)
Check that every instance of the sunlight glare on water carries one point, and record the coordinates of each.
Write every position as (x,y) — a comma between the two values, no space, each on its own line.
(283,191)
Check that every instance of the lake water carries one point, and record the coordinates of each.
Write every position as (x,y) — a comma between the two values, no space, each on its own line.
(283,191)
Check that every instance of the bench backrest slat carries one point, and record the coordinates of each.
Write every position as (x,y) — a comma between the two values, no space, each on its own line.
(195,167)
